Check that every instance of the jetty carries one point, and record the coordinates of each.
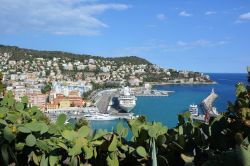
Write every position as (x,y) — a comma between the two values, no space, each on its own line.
(208,109)
(207,104)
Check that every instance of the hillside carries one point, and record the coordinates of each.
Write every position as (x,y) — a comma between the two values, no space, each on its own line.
(60,66)
(22,53)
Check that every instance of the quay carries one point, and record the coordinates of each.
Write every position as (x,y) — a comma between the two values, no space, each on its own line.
(207,104)
(88,113)
(153,93)
(103,100)
(123,115)
(149,92)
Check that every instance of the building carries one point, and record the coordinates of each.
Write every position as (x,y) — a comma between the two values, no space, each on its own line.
(38,100)
(52,106)
(76,101)
(60,101)
(64,103)
(65,87)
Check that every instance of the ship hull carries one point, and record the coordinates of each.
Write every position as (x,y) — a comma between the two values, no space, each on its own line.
(126,101)
(127,108)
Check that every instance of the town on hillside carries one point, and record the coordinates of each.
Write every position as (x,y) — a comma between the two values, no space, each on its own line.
(53,80)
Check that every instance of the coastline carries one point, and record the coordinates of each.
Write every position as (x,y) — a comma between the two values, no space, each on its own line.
(183,83)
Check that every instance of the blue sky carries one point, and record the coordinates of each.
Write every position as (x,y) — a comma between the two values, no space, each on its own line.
(199,35)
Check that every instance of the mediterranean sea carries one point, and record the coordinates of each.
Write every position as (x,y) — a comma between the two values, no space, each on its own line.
(165,109)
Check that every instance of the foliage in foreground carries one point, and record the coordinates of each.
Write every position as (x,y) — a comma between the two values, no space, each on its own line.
(27,137)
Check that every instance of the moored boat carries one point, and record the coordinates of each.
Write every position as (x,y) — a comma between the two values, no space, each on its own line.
(99,116)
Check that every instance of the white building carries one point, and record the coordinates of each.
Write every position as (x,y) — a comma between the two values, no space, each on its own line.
(65,87)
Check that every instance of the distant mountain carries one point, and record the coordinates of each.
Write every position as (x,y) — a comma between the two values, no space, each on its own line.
(23,53)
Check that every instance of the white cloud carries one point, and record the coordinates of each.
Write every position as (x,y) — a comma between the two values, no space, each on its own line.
(161,16)
(185,14)
(69,17)
(210,13)
(193,44)
(181,43)
(199,43)
(245,16)
(155,45)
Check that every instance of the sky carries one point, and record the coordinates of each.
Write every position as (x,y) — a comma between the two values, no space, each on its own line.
(207,36)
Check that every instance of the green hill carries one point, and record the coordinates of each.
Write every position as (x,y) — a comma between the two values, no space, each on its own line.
(22,53)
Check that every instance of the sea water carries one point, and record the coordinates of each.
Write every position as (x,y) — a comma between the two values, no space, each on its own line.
(165,109)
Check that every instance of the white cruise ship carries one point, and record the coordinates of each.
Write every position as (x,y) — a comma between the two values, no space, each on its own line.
(126,101)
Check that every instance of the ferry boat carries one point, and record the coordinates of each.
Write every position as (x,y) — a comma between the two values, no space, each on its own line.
(193,109)
(126,101)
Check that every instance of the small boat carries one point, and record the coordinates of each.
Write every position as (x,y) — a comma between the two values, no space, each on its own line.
(99,116)
(164,93)
(193,109)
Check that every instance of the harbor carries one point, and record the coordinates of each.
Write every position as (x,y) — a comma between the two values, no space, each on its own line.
(107,101)
(113,104)
(107,104)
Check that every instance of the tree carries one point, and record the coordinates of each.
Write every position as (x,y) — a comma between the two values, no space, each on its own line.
(1,83)
(47,88)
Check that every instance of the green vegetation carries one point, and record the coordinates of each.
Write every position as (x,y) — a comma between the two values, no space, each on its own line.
(29,138)
(29,54)
(46,88)
(1,83)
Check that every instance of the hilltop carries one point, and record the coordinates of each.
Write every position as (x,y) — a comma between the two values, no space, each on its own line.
(23,53)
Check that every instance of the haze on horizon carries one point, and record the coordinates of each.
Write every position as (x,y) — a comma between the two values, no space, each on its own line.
(194,35)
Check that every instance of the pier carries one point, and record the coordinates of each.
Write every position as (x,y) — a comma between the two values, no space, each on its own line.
(153,93)
(207,104)
(209,110)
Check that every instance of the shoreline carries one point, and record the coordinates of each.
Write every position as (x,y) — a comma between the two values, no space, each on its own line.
(185,83)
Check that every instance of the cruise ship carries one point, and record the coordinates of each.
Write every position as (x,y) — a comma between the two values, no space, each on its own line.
(126,101)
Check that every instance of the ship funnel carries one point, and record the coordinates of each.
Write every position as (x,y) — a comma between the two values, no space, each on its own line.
(126,91)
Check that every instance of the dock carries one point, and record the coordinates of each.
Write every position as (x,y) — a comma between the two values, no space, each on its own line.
(88,113)
(140,91)
(154,93)
(123,115)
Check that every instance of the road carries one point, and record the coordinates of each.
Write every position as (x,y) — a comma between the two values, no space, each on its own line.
(103,99)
